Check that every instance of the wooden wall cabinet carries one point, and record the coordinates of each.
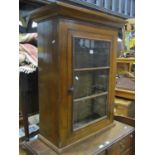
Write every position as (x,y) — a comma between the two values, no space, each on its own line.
(77,50)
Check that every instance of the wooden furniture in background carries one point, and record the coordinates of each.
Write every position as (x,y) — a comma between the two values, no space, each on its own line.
(127,120)
(124,66)
(28,99)
(124,91)
(124,107)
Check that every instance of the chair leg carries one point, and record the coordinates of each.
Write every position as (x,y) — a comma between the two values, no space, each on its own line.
(25,118)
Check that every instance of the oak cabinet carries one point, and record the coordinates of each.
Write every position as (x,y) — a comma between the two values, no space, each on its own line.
(77,50)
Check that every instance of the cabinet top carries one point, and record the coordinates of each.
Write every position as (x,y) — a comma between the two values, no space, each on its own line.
(62,9)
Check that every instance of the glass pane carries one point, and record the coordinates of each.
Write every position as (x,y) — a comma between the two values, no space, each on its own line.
(91,74)
(87,83)
(89,110)
(90,53)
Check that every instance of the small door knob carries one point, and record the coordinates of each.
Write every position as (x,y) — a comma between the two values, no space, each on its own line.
(71,89)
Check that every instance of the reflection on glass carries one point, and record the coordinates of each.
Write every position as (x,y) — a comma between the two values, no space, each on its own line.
(91,74)
(89,110)
(90,82)
(91,53)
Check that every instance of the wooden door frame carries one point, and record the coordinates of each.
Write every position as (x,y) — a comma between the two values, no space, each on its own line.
(71,29)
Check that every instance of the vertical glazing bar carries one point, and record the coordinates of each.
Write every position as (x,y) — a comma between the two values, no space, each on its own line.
(113,5)
(131,8)
(126,7)
(106,4)
(98,3)
(120,6)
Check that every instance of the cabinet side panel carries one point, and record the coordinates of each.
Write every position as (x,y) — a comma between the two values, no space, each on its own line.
(48,79)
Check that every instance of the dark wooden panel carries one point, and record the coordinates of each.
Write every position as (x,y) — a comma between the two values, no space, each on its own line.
(49,79)
(129,151)
(121,146)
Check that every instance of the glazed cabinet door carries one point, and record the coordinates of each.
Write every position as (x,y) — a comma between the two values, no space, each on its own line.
(90,80)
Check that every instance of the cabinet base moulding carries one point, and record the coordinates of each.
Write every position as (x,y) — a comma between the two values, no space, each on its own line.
(63,149)
(96,144)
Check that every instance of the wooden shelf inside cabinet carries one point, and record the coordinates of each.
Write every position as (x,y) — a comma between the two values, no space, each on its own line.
(90,97)
(91,69)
